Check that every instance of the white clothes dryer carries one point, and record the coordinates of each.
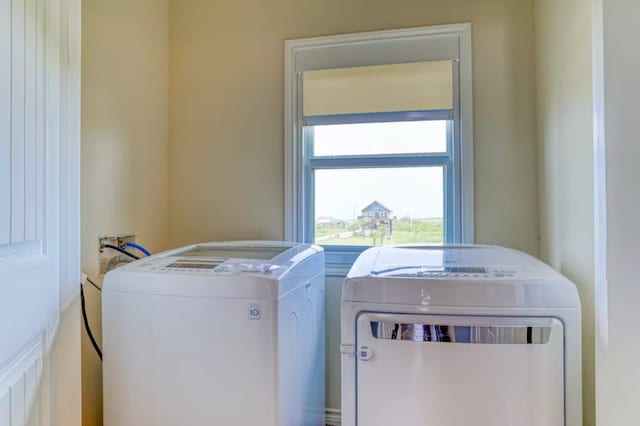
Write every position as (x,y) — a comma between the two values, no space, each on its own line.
(459,336)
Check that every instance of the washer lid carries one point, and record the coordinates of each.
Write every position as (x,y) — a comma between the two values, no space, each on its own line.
(481,276)
(245,269)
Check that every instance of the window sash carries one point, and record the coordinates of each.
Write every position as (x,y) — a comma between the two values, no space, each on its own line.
(311,163)
(380,161)
(379,117)
(309,204)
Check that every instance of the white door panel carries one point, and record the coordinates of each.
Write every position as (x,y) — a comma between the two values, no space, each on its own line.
(29,262)
(456,371)
(33,60)
(24,70)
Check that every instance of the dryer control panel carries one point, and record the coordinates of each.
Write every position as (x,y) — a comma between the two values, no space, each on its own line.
(447,272)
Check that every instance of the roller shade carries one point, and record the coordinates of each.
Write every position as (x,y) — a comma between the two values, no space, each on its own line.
(394,88)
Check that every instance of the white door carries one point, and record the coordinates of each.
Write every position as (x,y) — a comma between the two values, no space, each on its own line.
(415,370)
(39,147)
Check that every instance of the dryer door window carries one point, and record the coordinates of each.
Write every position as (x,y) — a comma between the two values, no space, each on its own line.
(437,370)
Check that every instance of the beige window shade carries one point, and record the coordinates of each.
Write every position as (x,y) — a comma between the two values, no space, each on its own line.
(419,86)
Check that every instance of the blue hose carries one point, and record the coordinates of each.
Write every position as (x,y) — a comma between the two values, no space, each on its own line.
(138,247)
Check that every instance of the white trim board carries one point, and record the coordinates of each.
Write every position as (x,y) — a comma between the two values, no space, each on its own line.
(28,356)
(20,384)
(374,48)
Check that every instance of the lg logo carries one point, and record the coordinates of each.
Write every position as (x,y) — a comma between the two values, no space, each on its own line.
(255,312)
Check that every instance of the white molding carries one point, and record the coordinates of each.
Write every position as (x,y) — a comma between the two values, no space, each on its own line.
(292,112)
(70,154)
(290,150)
(336,40)
(27,249)
(466,136)
(13,371)
(601,290)
(599,168)
(333,417)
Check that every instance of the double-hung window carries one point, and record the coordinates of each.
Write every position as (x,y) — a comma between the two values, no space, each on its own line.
(379,139)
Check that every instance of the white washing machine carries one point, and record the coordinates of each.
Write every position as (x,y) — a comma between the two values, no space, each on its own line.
(216,334)
(459,336)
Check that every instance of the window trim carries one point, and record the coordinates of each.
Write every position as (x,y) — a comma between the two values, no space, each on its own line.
(294,158)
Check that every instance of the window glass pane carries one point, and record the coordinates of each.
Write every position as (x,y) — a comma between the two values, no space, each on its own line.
(379,206)
(403,137)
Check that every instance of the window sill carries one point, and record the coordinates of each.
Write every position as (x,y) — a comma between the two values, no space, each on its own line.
(339,259)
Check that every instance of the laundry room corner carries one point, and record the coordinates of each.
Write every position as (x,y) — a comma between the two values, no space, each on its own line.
(566,160)
(329,212)
(124,147)
(183,136)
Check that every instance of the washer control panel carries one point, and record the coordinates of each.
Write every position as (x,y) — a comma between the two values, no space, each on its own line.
(208,266)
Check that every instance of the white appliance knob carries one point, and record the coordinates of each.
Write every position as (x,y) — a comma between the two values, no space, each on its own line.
(365,353)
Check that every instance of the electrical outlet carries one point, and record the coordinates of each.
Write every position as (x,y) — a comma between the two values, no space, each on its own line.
(105,255)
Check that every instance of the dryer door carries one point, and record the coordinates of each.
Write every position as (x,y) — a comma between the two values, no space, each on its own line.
(433,370)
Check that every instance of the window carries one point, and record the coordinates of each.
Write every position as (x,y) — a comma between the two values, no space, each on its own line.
(379,139)
(366,194)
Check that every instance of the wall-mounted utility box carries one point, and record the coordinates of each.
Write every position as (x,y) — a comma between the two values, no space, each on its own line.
(107,255)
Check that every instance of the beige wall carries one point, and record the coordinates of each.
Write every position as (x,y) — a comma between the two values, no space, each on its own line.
(227,93)
(226,116)
(124,143)
(564,86)
(64,359)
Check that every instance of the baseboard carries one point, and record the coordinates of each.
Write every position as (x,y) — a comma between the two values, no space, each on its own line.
(332,417)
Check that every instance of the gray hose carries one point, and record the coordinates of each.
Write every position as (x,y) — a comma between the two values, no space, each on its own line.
(118,261)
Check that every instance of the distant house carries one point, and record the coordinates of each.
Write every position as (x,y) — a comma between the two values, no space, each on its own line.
(329,221)
(324,220)
(376,210)
(377,216)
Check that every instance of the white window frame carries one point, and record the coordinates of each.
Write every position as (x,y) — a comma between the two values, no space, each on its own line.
(445,42)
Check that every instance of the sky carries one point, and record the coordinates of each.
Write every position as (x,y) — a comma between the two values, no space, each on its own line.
(416,192)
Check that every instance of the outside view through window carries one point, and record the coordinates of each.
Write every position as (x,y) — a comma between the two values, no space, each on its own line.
(379,206)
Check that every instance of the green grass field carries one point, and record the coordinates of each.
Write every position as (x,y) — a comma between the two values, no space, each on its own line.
(404,232)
